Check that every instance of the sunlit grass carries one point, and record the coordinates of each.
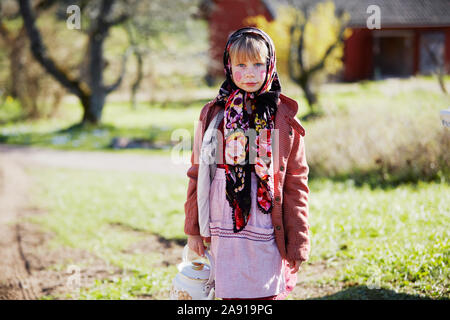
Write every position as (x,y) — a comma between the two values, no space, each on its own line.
(85,209)
(394,238)
(154,124)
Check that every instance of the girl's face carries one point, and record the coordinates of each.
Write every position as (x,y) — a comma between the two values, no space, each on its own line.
(248,75)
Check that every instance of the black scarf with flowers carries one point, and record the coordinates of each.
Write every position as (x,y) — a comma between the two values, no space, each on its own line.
(248,141)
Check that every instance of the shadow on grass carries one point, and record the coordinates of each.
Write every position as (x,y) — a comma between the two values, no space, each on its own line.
(84,127)
(13,120)
(79,136)
(109,137)
(93,138)
(165,242)
(312,115)
(361,292)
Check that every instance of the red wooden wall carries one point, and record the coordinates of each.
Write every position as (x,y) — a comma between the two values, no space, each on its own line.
(358,52)
(358,55)
(228,16)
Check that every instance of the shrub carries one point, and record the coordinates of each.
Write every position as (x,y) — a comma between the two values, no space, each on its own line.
(380,144)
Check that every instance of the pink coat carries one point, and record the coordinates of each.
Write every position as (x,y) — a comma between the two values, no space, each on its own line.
(290,212)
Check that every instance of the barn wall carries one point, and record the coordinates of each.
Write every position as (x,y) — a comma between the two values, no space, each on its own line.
(416,51)
(358,55)
(447,50)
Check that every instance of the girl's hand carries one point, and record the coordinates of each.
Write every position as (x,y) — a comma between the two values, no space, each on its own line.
(195,243)
(207,239)
(294,265)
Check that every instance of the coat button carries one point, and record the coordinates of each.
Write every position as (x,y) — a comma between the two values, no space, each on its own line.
(277,198)
(281,168)
(290,132)
(278,228)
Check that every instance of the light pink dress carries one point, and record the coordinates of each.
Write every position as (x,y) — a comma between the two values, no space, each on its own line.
(248,264)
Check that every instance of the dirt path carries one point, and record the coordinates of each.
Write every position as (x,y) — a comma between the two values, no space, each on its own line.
(27,265)
(16,281)
(92,160)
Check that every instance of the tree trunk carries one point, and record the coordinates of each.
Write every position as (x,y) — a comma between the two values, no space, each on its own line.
(440,77)
(16,67)
(139,77)
(92,93)
(310,95)
(23,85)
(93,107)
(94,101)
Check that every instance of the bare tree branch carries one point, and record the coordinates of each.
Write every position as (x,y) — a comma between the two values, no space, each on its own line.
(101,24)
(330,49)
(291,53)
(138,53)
(440,66)
(44,5)
(120,19)
(301,43)
(117,83)
(5,33)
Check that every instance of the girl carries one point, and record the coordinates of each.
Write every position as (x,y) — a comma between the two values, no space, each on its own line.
(248,193)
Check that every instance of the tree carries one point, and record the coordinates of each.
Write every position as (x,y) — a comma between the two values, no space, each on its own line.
(162,34)
(142,20)
(27,81)
(309,39)
(91,91)
(138,52)
(436,54)
(148,36)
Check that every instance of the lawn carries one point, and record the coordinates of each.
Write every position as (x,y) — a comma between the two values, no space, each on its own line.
(153,123)
(378,229)
(395,239)
(82,215)
(391,105)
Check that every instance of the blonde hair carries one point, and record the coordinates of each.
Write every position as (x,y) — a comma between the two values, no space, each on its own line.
(249,48)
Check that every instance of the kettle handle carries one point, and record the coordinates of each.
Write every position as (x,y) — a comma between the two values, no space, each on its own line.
(185,253)
(211,262)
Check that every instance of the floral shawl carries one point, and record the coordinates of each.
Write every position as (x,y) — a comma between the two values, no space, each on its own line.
(248,144)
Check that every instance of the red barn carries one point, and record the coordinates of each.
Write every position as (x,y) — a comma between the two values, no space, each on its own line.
(414,38)
(225,16)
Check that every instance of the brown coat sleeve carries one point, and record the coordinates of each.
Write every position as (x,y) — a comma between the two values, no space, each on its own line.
(295,199)
(191,226)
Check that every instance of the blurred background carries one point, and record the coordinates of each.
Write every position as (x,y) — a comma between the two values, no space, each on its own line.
(96,95)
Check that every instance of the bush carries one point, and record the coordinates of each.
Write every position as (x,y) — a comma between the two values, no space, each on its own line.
(383,143)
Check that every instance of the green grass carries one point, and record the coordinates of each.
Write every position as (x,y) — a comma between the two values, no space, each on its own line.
(149,202)
(386,132)
(154,123)
(147,283)
(392,100)
(82,214)
(395,239)
(398,96)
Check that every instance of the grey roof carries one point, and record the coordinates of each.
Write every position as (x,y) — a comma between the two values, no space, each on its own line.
(393,12)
